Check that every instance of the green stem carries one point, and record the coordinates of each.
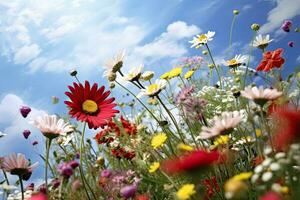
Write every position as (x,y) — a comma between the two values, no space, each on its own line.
(249,58)
(48,144)
(60,188)
(5,176)
(215,66)
(231,31)
(80,161)
(22,187)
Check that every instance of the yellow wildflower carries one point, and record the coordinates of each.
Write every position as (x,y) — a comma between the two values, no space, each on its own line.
(153,167)
(258,132)
(235,188)
(185,147)
(242,176)
(158,140)
(284,190)
(175,72)
(165,76)
(186,191)
(189,74)
(221,140)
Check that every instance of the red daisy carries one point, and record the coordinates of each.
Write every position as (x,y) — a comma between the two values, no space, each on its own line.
(195,160)
(90,104)
(271,59)
(288,127)
(271,196)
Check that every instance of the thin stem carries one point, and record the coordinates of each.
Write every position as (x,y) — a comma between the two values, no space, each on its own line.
(80,161)
(77,79)
(249,58)
(215,66)
(22,187)
(60,188)
(48,144)
(5,176)
(231,31)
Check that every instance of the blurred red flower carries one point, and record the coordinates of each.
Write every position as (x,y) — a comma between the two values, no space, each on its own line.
(211,187)
(129,128)
(287,129)
(39,196)
(271,59)
(90,104)
(270,196)
(194,160)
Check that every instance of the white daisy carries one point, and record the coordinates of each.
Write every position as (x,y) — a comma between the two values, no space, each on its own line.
(147,75)
(2,134)
(238,60)
(202,39)
(114,64)
(262,42)
(260,95)
(134,74)
(223,124)
(154,88)
(51,126)
(17,163)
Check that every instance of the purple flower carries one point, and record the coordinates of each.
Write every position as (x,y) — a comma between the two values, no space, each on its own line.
(77,155)
(194,107)
(128,191)
(34,143)
(106,173)
(25,110)
(291,44)
(184,93)
(65,170)
(286,26)
(74,164)
(26,133)
(55,183)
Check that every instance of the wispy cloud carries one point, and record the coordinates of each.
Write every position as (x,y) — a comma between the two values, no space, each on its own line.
(285,9)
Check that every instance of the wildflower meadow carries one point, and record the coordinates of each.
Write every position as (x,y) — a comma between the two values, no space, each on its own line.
(202,128)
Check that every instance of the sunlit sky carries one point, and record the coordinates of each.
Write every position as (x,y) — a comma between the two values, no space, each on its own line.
(42,40)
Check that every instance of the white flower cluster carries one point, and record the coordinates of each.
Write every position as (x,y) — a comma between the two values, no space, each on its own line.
(219,100)
(274,166)
(17,195)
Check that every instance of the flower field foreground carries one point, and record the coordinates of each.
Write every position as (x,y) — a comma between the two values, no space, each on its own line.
(182,136)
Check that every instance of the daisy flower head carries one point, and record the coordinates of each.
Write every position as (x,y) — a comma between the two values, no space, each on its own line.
(222,125)
(262,42)
(189,74)
(17,164)
(158,140)
(134,74)
(165,76)
(186,192)
(260,95)
(52,126)
(147,75)
(114,64)
(202,39)
(175,72)
(237,61)
(90,104)
(153,89)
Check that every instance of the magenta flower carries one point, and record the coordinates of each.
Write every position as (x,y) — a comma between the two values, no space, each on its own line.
(65,170)
(25,110)
(128,191)
(26,133)
(291,44)
(55,183)
(76,185)
(286,26)
(105,173)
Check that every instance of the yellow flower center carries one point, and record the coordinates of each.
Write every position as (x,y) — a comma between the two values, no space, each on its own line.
(202,38)
(232,62)
(90,106)
(153,88)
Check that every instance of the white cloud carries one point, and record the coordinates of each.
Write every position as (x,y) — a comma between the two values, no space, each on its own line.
(169,43)
(285,9)
(26,53)
(14,124)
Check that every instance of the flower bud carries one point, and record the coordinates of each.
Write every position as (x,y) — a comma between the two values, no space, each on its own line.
(112,76)
(73,72)
(204,52)
(236,12)
(255,27)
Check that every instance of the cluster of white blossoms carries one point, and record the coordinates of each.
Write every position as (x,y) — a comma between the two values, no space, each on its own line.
(274,166)
(17,195)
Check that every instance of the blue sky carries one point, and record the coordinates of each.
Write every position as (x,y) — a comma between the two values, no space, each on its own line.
(41,41)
